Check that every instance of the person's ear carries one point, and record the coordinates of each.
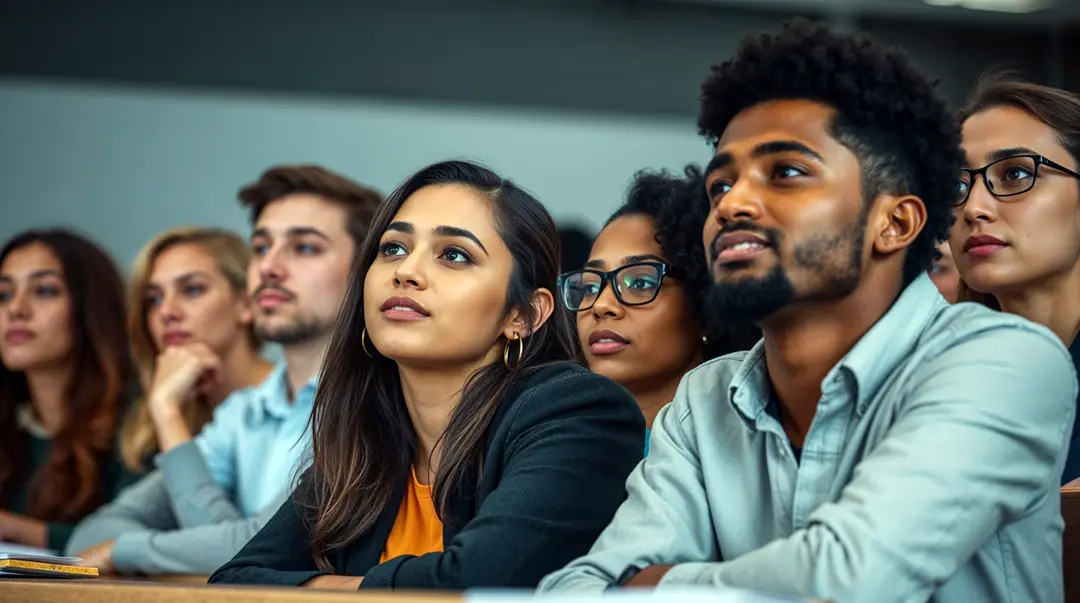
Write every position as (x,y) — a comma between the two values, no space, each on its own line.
(899,221)
(542,303)
(244,311)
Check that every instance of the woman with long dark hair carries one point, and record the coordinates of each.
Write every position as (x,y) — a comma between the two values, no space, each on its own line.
(458,442)
(64,380)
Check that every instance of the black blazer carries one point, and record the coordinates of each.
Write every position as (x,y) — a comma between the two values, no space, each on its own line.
(559,451)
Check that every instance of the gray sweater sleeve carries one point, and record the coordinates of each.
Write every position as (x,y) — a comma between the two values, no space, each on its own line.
(196,550)
(142,506)
(196,498)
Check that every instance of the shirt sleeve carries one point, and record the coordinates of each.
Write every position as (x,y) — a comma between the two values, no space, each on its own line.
(573,441)
(280,554)
(142,506)
(197,550)
(979,441)
(201,474)
(197,497)
(665,519)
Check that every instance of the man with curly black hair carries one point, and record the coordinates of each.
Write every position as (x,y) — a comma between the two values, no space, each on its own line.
(880,444)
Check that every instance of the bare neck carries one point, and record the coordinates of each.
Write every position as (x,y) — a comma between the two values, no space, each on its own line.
(803,343)
(242,367)
(431,395)
(49,395)
(302,362)
(1053,303)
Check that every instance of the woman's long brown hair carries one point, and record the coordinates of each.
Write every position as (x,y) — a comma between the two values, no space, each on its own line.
(68,486)
(363,439)
(1058,109)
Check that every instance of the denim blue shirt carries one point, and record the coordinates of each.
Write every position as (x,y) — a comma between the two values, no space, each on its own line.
(929,472)
(258,441)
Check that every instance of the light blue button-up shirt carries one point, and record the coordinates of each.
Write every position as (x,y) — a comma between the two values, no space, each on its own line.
(209,496)
(258,441)
(930,470)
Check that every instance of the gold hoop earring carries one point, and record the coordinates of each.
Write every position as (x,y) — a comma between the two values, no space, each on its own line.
(506,351)
(363,343)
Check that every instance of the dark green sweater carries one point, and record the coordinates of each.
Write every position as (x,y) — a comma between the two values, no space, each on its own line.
(114,478)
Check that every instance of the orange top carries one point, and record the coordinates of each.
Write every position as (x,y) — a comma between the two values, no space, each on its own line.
(417,529)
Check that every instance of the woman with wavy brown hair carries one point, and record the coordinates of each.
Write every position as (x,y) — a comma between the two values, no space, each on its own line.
(64,379)
(191,335)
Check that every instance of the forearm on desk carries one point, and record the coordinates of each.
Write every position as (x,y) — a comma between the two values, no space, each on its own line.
(196,496)
(200,550)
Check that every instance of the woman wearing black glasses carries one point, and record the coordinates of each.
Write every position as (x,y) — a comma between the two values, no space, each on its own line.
(1016,240)
(639,297)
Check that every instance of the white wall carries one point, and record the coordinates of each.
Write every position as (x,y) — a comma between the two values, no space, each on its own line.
(121,164)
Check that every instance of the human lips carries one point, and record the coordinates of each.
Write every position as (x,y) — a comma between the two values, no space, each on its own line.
(607,341)
(983,245)
(403,308)
(738,247)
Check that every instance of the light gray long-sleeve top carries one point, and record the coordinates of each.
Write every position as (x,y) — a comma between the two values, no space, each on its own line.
(208,497)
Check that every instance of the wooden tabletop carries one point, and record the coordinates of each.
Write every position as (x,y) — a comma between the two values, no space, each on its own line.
(114,591)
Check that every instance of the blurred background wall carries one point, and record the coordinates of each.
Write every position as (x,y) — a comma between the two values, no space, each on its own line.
(123,118)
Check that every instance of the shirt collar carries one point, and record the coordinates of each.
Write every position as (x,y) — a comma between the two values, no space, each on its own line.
(892,338)
(868,364)
(270,399)
(29,423)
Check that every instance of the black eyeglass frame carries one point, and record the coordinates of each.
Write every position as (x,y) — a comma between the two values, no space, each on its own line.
(662,269)
(1039,161)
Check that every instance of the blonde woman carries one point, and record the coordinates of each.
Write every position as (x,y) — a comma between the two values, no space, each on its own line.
(191,335)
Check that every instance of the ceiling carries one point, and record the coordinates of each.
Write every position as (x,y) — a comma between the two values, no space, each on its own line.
(1030,12)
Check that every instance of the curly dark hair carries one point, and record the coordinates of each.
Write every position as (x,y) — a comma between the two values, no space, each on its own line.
(679,208)
(889,114)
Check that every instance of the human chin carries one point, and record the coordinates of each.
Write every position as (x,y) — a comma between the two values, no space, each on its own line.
(620,368)
(991,277)
(748,299)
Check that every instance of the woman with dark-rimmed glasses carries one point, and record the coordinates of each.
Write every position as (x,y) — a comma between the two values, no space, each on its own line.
(1016,240)
(639,297)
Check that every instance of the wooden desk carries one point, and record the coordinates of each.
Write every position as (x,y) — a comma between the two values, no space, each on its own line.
(166,579)
(108,591)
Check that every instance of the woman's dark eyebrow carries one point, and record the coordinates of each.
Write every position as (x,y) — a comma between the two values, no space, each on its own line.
(454,231)
(1000,154)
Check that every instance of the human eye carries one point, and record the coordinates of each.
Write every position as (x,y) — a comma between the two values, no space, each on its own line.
(1017,173)
(641,282)
(456,255)
(47,290)
(391,249)
(718,189)
(304,248)
(788,171)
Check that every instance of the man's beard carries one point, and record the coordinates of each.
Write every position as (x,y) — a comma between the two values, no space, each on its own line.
(299,331)
(834,262)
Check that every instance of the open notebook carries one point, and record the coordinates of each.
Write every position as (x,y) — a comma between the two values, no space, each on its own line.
(17,561)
